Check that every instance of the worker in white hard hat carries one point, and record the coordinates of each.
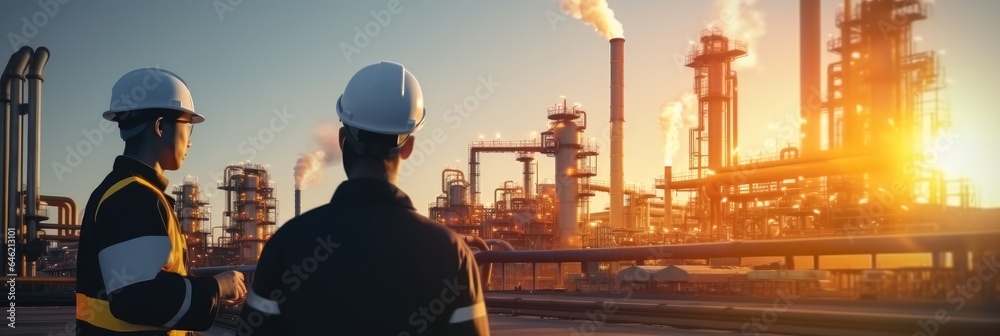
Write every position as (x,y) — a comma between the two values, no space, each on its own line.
(367,262)
(132,264)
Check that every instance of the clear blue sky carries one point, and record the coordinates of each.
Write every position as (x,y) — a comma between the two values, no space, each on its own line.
(262,56)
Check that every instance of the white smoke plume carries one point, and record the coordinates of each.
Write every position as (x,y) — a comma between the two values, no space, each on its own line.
(739,20)
(675,117)
(308,169)
(597,14)
(309,166)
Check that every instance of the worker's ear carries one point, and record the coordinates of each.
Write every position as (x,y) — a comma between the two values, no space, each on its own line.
(158,127)
(407,149)
(342,136)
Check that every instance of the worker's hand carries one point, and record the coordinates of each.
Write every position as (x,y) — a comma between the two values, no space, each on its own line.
(231,286)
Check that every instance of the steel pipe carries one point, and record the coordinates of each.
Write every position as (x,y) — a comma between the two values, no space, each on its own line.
(33,157)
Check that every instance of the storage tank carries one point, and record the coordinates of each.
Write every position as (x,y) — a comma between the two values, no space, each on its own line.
(456,194)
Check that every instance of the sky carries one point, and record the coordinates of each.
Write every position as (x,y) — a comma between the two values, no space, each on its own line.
(267,74)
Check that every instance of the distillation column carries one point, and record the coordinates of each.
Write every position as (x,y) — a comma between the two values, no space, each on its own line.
(249,250)
(567,135)
(713,86)
(193,213)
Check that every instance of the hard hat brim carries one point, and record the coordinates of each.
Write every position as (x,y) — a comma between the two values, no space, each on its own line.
(346,119)
(113,115)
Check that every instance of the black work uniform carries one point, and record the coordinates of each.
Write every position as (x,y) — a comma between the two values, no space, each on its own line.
(132,273)
(365,264)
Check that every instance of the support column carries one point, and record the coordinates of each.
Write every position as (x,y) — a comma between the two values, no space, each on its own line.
(534,277)
(960,260)
(937,260)
(503,276)
(989,286)
(559,275)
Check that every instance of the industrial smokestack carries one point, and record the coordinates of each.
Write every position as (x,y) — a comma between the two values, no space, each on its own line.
(668,199)
(617,131)
(809,73)
(298,202)
(598,14)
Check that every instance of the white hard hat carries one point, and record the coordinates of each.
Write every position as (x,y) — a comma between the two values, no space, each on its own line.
(382,98)
(150,88)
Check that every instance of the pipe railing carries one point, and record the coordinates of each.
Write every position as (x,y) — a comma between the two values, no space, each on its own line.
(909,243)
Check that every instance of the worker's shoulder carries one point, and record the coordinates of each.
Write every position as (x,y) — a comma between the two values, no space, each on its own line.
(421,222)
(111,193)
(432,235)
(390,221)
(305,224)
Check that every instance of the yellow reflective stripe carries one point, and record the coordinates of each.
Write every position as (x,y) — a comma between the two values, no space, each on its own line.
(176,261)
(121,184)
(98,313)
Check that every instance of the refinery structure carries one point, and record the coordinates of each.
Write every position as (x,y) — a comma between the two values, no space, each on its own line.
(860,168)
(248,220)
(863,165)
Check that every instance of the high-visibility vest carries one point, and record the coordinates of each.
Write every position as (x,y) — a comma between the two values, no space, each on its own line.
(96,311)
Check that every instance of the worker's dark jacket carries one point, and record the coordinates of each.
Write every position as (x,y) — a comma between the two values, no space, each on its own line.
(132,275)
(365,264)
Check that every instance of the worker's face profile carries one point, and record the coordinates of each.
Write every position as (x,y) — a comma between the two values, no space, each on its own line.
(185,126)
(177,135)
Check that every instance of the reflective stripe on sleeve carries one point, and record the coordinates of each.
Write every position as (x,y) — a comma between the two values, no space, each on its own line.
(133,261)
(265,306)
(469,313)
(98,313)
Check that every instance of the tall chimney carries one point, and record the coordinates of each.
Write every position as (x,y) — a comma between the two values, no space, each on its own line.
(809,73)
(617,132)
(298,202)
(668,200)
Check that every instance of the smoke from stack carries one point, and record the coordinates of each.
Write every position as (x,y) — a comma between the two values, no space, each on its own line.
(739,19)
(308,169)
(595,13)
(676,116)
(309,166)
